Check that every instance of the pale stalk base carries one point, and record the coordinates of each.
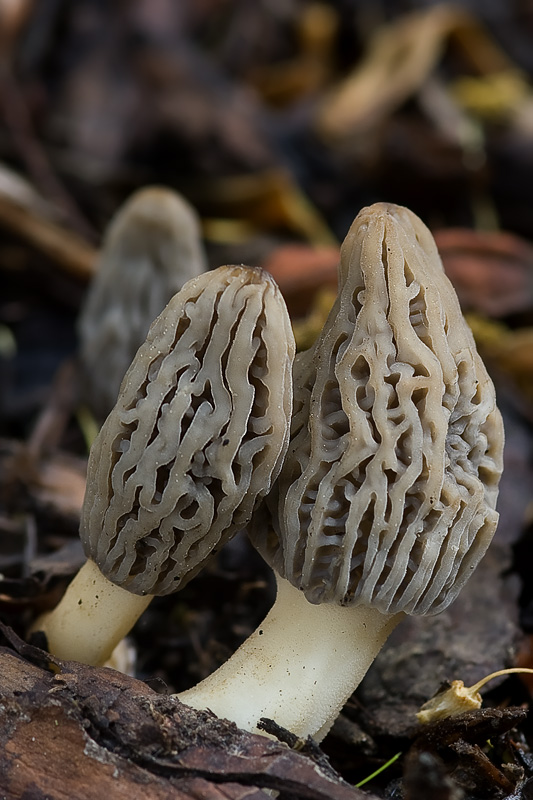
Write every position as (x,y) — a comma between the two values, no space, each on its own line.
(91,618)
(298,668)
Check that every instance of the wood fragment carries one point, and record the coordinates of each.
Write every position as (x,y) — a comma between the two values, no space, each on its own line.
(67,730)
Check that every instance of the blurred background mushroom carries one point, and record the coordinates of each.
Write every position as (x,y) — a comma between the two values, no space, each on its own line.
(151,248)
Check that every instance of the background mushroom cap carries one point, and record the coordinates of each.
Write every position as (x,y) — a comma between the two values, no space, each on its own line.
(387,495)
(151,248)
(198,433)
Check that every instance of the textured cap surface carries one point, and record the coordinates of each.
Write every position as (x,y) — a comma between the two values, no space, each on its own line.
(197,435)
(151,248)
(389,486)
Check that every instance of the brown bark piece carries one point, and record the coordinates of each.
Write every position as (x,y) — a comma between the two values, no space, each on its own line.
(69,731)
(41,754)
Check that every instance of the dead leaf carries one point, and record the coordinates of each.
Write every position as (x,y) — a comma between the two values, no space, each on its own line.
(492,271)
(401,56)
(300,271)
(270,199)
(284,83)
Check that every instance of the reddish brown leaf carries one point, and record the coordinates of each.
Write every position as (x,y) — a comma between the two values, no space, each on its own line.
(492,272)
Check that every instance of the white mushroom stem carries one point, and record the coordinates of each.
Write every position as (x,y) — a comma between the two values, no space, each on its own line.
(91,618)
(298,667)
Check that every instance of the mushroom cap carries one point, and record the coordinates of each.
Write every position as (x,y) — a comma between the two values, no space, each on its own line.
(197,435)
(152,246)
(387,495)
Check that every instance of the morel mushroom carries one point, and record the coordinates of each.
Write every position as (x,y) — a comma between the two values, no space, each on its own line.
(151,248)
(386,500)
(197,436)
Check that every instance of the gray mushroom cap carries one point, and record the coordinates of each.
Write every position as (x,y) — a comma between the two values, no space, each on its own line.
(151,248)
(387,495)
(198,433)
